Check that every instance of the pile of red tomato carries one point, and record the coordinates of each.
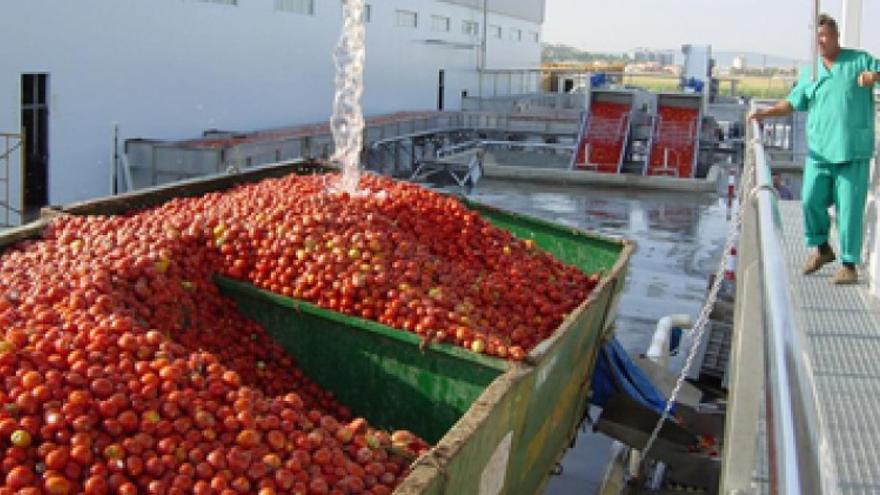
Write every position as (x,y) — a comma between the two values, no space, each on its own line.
(399,254)
(125,371)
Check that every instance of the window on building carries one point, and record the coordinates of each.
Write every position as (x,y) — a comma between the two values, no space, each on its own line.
(495,31)
(440,23)
(297,6)
(535,37)
(471,28)
(221,2)
(407,18)
(516,34)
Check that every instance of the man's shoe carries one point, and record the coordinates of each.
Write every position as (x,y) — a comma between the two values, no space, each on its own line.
(816,260)
(846,275)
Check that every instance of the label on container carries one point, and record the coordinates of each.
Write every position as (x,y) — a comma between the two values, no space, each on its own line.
(544,372)
(492,479)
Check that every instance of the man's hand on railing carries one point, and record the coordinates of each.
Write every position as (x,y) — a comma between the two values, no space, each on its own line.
(780,109)
(869,78)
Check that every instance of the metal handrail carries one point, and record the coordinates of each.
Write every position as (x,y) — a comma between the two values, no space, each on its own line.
(799,451)
(488,143)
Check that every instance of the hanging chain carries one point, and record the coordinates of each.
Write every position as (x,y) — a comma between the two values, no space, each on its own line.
(700,325)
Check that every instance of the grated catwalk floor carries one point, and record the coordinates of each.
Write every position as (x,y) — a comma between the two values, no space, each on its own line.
(842,324)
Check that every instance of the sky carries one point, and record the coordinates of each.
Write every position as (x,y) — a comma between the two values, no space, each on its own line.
(772,27)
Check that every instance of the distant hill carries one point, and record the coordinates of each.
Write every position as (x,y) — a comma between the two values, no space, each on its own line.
(551,53)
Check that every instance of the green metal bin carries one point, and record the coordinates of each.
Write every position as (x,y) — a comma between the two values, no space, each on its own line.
(500,425)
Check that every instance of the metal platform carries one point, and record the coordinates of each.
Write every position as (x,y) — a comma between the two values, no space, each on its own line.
(842,324)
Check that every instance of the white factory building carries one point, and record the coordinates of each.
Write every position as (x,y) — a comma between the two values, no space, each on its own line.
(171,69)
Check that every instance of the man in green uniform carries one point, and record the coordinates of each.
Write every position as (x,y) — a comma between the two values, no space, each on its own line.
(840,135)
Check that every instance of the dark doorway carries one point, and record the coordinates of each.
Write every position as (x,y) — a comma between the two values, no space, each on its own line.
(441,89)
(568,85)
(35,127)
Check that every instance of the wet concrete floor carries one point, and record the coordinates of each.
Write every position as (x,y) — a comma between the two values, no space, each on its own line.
(679,239)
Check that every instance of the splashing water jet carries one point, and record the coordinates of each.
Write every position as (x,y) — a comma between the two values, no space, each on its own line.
(347,121)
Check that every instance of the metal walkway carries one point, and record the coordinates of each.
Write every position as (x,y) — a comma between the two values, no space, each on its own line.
(842,325)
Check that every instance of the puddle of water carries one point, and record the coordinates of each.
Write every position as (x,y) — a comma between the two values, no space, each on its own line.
(679,239)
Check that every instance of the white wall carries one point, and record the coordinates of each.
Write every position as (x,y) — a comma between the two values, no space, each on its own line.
(530,10)
(169,69)
(506,53)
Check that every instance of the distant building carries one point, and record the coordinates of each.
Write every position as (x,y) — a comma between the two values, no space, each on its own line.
(662,57)
(739,63)
(646,67)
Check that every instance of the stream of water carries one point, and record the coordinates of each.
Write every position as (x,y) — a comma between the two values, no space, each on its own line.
(347,121)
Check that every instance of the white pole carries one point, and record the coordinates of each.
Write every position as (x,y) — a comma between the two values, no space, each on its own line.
(482,65)
(814,48)
(851,24)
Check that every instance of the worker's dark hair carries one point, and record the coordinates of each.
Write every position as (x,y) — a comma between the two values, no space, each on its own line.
(827,21)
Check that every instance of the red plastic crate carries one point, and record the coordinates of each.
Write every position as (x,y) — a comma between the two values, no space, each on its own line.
(605,135)
(672,152)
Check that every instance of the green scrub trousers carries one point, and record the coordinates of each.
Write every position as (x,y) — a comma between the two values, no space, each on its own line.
(840,135)
(845,185)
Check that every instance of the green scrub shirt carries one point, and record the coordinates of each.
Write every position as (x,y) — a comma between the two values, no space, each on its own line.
(840,125)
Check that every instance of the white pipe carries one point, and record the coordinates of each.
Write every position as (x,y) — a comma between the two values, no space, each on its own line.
(658,351)
(616,472)
(657,478)
(635,463)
